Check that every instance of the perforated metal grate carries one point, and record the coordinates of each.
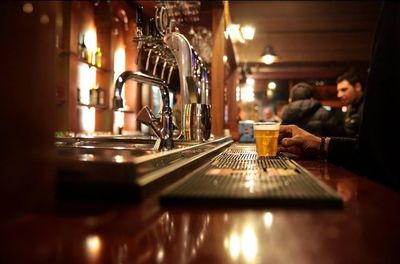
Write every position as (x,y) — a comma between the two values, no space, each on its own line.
(238,177)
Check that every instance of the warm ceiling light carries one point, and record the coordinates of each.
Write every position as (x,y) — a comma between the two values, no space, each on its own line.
(269,55)
(272,85)
(235,34)
(248,32)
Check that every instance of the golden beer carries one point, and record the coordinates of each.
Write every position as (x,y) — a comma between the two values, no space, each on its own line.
(266,137)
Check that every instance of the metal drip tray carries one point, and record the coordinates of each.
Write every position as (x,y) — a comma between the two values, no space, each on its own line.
(129,169)
(236,177)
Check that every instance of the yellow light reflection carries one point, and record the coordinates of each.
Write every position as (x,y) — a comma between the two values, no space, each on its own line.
(245,245)
(234,246)
(268,219)
(91,40)
(249,243)
(160,255)
(248,32)
(119,62)
(119,158)
(88,119)
(27,8)
(87,157)
(93,247)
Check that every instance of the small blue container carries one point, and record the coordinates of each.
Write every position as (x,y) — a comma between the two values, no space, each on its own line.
(246,131)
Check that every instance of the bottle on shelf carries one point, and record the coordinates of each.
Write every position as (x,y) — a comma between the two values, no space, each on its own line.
(97,57)
(100,95)
(78,95)
(93,96)
(82,50)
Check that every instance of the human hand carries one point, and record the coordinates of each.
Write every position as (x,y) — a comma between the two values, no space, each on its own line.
(297,141)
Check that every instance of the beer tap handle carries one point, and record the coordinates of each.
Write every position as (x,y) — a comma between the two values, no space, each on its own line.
(155,65)
(163,69)
(171,69)
(148,60)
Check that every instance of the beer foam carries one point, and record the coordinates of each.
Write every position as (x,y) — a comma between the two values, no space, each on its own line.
(267,127)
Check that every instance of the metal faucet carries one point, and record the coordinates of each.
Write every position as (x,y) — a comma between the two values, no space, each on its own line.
(182,51)
(163,126)
(196,113)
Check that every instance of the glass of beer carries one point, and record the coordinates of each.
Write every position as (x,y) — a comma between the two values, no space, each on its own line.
(266,136)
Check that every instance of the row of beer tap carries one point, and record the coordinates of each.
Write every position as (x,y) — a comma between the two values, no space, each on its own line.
(158,55)
(160,45)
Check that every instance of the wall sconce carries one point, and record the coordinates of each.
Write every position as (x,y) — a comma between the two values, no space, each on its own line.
(240,34)
(268,56)
(248,32)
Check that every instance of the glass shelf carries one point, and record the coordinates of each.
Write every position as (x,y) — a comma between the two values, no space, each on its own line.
(92,105)
(93,65)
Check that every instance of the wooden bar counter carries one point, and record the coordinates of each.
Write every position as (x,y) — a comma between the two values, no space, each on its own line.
(365,230)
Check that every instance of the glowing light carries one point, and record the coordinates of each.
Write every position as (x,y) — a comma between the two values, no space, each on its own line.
(272,85)
(44,19)
(119,158)
(27,8)
(248,32)
(237,93)
(235,34)
(119,62)
(119,67)
(91,40)
(247,93)
(225,58)
(246,244)
(249,243)
(160,255)
(93,247)
(268,219)
(250,81)
(88,119)
(87,157)
(119,119)
(234,246)
(268,59)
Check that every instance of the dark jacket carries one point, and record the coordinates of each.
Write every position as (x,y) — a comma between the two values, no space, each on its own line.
(371,154)
(353,116)
(312,117)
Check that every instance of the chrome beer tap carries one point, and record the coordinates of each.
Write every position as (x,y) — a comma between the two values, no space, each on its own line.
(163,126)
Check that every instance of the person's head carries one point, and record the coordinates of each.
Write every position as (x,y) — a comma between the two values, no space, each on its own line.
(268,113)
(349,88)
(301,91)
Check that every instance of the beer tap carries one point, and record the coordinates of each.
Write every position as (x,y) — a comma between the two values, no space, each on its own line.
(163,68)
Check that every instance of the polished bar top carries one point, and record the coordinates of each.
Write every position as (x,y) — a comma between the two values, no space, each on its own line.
(366,230)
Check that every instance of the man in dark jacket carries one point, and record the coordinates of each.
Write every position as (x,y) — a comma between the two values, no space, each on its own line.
(370,154)
(350,92)
(308,113)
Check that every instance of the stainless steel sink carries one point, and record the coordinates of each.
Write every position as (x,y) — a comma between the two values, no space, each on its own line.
(129,167)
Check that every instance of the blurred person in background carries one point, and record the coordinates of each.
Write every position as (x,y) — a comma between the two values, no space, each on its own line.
(308,113)
(268,114)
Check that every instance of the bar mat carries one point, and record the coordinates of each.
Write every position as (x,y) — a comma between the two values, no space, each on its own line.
(237,178)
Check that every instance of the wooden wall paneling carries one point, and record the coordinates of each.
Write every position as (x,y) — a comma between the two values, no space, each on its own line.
(27,107)
(104,76)
(217,73)
(123,38)
(233,110)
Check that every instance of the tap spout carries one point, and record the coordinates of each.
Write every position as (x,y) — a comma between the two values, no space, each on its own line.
(163,127)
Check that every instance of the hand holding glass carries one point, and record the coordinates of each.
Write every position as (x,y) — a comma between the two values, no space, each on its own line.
(266,136)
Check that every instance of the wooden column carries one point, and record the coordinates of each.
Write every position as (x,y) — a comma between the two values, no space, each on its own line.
(217,73)
(233,112)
